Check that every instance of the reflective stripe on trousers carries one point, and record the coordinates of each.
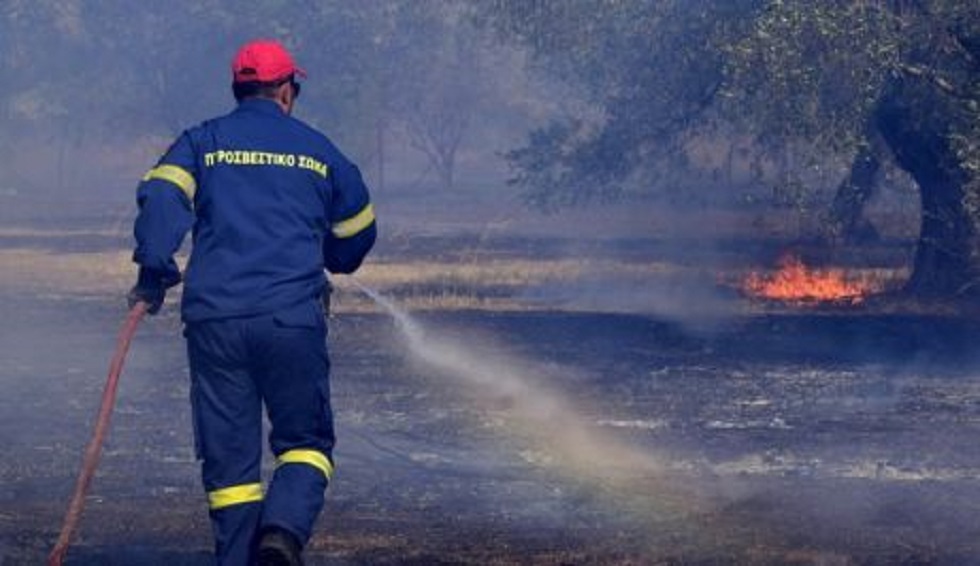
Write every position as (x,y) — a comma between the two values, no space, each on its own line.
(239,365)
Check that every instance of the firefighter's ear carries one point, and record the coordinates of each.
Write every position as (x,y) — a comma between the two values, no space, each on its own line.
(286,97)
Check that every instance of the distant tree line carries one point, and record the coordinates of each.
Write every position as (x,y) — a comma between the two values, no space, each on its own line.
(416,73)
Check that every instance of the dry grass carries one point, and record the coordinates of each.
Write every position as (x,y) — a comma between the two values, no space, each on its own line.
(494,284)
(416,284)
(40,271)
(490,284)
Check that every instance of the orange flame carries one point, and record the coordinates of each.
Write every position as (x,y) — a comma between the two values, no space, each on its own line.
(794,281)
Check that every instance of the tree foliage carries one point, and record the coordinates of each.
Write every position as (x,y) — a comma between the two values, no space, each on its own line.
(847,75)
(651,69)
(836,78)
(781,71)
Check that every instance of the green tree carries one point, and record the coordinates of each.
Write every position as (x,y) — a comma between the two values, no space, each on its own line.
(881,80)
(650,70)
(870,79)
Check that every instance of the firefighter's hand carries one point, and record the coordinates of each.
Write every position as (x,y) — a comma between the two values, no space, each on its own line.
(149,289)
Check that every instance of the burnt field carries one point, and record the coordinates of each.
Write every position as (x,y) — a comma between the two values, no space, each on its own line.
(771,435)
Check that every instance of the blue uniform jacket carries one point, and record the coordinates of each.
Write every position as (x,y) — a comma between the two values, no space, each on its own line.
(272,203)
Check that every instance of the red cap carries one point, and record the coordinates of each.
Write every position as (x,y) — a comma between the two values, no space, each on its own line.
(264,61)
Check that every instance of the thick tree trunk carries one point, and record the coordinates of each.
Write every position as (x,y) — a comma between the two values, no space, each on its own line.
(946,259)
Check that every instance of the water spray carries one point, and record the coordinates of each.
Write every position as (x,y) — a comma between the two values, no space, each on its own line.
(571,444)
(94,448)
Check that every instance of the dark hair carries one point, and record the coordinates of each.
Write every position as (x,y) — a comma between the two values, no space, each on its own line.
(257,89)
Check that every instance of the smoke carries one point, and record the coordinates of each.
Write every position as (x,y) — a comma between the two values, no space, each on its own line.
(568,441)
(694,300)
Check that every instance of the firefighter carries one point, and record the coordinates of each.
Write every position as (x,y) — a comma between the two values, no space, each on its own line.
(272,204)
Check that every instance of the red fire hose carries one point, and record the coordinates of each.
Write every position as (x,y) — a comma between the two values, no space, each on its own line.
(94,448)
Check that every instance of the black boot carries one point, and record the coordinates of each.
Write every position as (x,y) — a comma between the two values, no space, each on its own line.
(277,547)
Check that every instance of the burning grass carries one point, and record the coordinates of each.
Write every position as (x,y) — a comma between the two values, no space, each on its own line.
(797,283)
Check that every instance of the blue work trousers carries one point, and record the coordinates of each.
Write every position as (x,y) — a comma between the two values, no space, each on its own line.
(236,365)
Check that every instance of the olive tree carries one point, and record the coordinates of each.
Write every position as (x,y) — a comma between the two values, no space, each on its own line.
(895,80)
(868,80)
